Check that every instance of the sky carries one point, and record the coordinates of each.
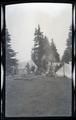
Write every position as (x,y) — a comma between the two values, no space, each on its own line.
(22,19)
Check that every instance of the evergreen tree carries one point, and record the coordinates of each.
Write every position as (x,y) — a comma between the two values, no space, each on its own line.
(67,56)
(43,53)
(47,52)
(11,62)
(56,57)
(38,50)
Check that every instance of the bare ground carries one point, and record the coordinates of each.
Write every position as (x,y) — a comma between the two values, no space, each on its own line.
(34,96)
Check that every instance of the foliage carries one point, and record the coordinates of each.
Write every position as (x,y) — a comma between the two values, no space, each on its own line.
(33,68)
(54,52)
(11,61)
(67,56)
(38,49)
(28,68)
(43,52)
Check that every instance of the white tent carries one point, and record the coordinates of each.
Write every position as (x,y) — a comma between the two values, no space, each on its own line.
(65,70)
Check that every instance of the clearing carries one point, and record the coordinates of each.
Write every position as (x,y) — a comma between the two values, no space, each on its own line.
(34,96)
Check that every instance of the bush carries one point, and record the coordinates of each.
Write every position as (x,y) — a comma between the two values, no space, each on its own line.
(28,68)
(33,68)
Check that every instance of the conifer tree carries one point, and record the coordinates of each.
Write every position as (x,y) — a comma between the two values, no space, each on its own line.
(38,50)
(11,61)
(67,56)
(53,50)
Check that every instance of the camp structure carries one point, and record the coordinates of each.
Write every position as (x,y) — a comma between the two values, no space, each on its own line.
(65,70)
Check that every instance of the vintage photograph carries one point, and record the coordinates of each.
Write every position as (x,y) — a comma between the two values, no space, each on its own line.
(38,60)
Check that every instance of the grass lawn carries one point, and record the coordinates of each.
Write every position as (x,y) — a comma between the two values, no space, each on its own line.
(35,96)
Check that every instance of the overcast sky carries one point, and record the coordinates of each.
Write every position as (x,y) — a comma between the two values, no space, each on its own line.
(22,19)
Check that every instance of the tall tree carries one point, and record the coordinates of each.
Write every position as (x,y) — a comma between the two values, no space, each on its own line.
(56,57)
(42,52)
(38,50)
(11,61)
(67,56)
(46,49)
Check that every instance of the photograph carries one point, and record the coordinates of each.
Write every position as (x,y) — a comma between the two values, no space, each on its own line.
(38,56)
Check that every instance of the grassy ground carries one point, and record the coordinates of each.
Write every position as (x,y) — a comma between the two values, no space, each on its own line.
(38,96)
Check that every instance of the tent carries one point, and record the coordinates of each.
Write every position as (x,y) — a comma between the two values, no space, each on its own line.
(65,70)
